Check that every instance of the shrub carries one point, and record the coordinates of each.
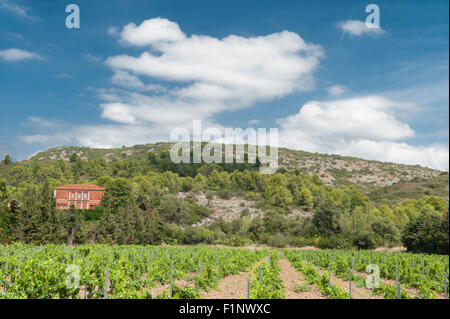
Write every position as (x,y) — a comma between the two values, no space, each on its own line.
(365,241)
(224,193)
(93,214)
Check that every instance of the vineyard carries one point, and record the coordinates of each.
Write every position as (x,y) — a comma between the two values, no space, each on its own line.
(398,275)
(195,272)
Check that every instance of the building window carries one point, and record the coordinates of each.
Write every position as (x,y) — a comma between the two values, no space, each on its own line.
(85,195)
(73,195)
(79,196)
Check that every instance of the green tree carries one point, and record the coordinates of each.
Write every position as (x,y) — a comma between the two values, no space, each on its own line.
(7,159)
(108,228)
(48,223)
(326,217)
(117,194)
(175,210)
(386,230)
(278,196)
(305,199)
(427,233)
(155,229)
(74,227)
(2,190)
(218,180)
(73,158)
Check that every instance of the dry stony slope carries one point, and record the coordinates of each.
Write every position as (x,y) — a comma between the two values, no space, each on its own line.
(333,169)
(232,208)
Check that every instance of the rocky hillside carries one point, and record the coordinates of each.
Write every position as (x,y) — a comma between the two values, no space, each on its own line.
(332,169)
(337,170)
(383,182)
(232,208)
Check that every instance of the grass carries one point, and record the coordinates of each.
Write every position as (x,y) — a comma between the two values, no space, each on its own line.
(304,287)
(360,283)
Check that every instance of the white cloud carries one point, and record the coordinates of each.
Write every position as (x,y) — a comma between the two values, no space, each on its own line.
(358,28)
(433,156)
(363,127)
(17,10)
(236,64)
(156,109)
(126,80)
(336,90)
(151,32)
(13,55)
(118,112)
(209,75)
(365,117)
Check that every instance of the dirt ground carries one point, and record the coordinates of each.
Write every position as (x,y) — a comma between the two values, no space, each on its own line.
(232,286)
(159,289)
(291,278)
(357,292)
(412,291)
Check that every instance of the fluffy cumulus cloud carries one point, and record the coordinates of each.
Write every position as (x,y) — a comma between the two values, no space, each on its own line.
(208,75)
(151,32)
(358,28)
(361,126)
(13,55)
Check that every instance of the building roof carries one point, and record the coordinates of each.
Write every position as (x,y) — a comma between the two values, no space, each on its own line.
(81,187)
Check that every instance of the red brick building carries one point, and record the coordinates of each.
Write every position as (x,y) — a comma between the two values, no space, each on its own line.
(80,196)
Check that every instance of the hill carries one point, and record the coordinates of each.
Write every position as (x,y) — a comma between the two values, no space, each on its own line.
(384,183)
(327,201)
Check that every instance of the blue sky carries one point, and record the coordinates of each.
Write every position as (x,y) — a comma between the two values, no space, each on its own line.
(135,70)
